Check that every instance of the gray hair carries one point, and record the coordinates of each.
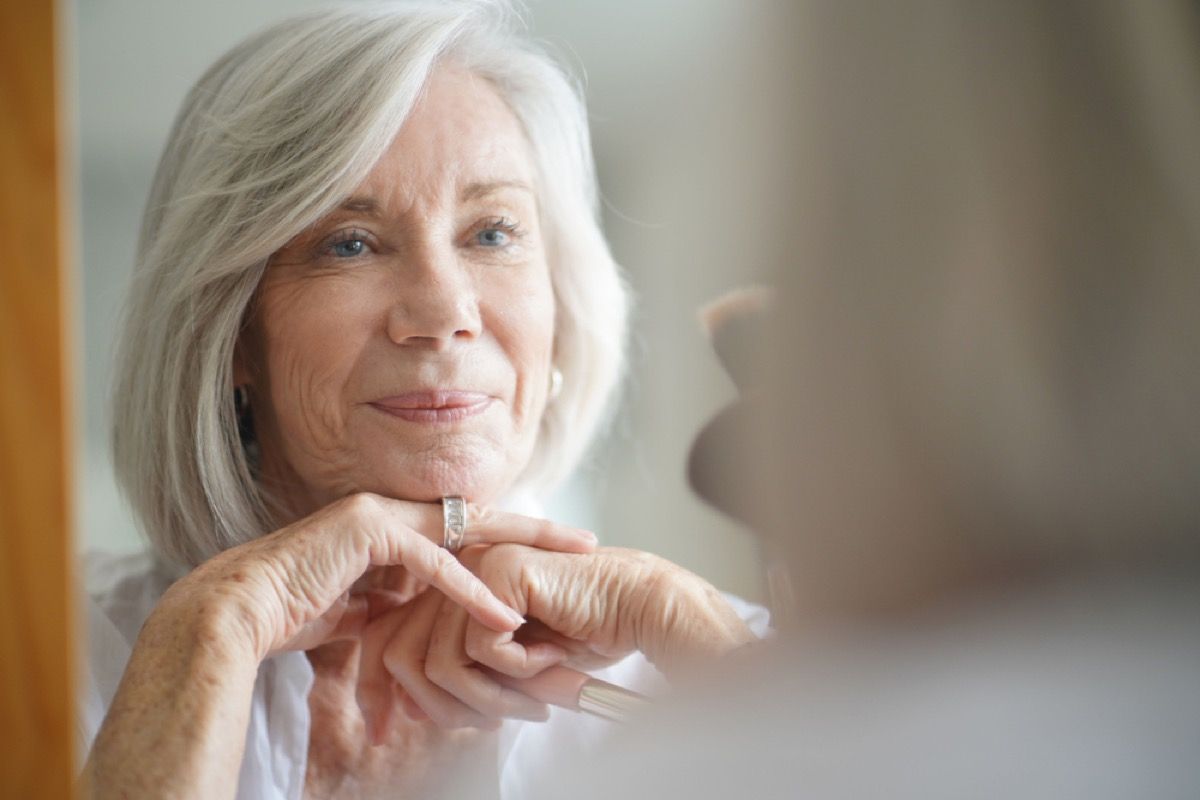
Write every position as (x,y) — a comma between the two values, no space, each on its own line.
(267,143)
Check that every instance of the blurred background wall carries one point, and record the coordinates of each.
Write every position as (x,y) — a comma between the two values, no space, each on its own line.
(679,117)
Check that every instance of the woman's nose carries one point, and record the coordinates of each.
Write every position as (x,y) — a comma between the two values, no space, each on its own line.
(436,304)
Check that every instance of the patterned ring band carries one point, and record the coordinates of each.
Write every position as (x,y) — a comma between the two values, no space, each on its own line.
(454,523)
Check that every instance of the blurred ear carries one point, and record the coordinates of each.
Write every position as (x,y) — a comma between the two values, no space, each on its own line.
(736,324)
(722,451)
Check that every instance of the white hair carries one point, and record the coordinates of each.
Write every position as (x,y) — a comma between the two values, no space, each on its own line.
(270,139)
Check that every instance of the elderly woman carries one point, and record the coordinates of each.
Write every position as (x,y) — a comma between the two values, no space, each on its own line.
(370,277)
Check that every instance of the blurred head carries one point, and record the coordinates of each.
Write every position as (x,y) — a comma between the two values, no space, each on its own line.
(380,221)
(983,359)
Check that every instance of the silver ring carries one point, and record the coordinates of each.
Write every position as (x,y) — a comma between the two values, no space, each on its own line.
(454,523)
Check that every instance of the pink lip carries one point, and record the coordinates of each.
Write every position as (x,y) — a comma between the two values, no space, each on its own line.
(434,406)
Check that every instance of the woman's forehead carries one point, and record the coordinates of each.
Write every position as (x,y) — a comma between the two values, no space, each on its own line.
(460,142)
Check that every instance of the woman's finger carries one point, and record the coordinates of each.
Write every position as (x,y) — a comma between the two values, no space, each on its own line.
(404,656)
(580,654)
(395,542)
(492,526)
(487,526)
(501,652)
(414,711)
(440,569)
(558,686)
(448,666)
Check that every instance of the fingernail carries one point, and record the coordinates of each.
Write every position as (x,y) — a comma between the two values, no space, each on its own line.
(514,617)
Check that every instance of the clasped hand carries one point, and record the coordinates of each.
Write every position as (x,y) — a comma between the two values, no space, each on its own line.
(443,638)
(584,610)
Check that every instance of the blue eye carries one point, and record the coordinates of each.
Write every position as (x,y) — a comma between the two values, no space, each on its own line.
(492,237)
(348,248)
(498,233)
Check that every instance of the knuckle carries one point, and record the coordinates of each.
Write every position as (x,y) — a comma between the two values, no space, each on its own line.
(495,658)
(479,593)
(361,504)
(442,567)
(475,650)
(439,673)
(523,667)
(545,529)
(361,512)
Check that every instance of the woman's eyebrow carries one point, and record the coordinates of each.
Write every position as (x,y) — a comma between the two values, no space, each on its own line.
(473,191)
(371,207)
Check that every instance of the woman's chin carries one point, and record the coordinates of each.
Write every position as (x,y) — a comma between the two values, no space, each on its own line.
(429,480)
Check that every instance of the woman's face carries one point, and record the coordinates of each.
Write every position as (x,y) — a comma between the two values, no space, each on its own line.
(402,345)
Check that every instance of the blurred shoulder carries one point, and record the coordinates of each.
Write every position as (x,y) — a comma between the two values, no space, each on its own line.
(124,587)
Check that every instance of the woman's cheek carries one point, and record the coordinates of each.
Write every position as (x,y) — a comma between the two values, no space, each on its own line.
(312,372)
(323,415)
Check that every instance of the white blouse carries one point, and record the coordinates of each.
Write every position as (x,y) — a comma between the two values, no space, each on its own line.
(121,592)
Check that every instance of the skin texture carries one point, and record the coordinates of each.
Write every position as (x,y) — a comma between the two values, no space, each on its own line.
(432,279)
(584,610)
(189,679)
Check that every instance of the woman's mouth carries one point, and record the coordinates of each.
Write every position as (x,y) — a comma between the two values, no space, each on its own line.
(434,406)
